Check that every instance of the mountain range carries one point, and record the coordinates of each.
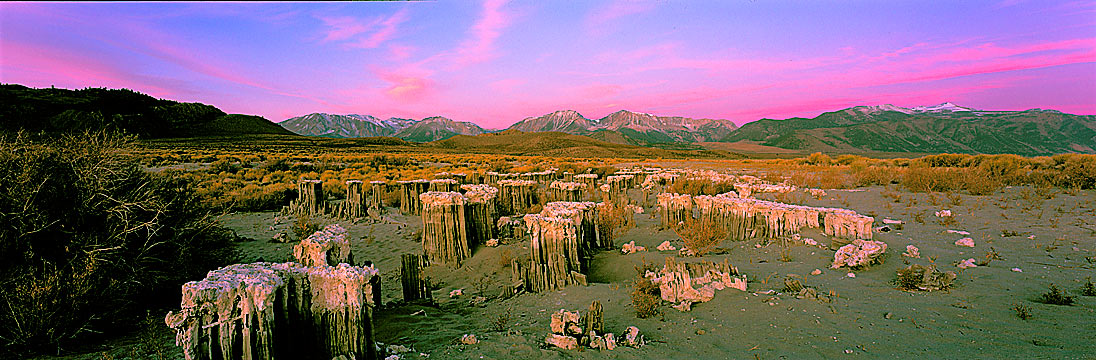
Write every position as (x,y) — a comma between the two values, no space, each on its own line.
(939,128)
(876,129)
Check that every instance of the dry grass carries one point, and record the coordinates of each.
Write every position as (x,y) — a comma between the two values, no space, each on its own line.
(646,298)
(701,236)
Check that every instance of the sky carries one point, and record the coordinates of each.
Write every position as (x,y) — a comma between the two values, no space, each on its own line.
(496,62)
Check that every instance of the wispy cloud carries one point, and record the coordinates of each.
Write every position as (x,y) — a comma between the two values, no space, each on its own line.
(599,21)
(365,33)
(480,45)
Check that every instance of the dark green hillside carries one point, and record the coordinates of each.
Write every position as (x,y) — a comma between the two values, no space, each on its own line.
(52,110)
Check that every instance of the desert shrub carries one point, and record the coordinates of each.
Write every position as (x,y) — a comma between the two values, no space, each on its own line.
(818,158)
(876,175)
(279,164)
(1088,289)
(646,297)
(701,236)
(271,197)
(700,187)
(304,226)
(926,179)
(1054,296)
(1022,311)
(613,220)
(95,239)
(500,166)
(1075,171)
(942,160)
(223,166)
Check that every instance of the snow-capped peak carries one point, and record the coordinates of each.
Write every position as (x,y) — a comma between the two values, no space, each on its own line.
(945,107)
(881,108)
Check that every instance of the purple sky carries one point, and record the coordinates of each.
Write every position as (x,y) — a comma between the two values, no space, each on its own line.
(496,62)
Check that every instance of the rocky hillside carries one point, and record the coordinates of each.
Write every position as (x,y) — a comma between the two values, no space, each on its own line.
(356,126)
(928,129)
(631,127)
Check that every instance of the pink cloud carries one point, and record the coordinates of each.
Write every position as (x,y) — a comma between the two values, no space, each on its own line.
(598,22)
(480,46)
(344,27)
(406,88)
(398,52)
(387,29)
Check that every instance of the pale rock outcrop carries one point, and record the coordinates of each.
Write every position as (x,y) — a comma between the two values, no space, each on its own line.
(322,311)
(967,242)
(912,251)
(859,253)
(329,246)
(631,247)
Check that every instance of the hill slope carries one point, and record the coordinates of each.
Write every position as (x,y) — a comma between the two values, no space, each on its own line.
(561,144)
(61,110)
(936,129)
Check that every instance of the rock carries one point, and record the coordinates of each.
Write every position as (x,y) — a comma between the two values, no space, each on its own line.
(816,272)
(912,251)
(810,242)
(562,320)
(456,293)
(392,357)
(665,246)
(700,332)
(631,247)
(966,264)
(469,339)
(492,242)
(960,232)
(859,253)
(329,246)
(887,315)
(280,238)
(943,213)
(632,337)
(398,349)
(968,242)
(1017,270)
(851,275)
(561,341)
(610,341)
(335,303)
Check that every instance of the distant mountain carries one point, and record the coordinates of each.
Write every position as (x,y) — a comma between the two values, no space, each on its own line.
(566,121)
(437,128)
(553,143)
(53,110)
(630,127)
(927,129)
(337,126)
(356,126)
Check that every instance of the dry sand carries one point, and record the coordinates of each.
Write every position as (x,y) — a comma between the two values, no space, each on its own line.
(868,318)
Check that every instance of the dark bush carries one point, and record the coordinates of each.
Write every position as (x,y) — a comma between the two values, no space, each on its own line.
(88,239)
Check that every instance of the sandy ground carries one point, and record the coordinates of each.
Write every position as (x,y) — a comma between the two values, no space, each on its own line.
(868,318)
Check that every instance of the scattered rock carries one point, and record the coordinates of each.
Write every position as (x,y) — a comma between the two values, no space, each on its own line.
(1017,270)
(968,242)
(851,275)
(912,251)
(888,315)
(859,253)
(456,293)
(632,338)
(665,246)
(469,339)
(810,242)
(631,247)
(561,341)
(966,264)
(943,213)
(492,242)
(960,232)
(280,238)
(816,272)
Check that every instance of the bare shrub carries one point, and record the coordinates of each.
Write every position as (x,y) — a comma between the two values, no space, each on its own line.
(701,236)
(646,297)
(93,234)
(305,226)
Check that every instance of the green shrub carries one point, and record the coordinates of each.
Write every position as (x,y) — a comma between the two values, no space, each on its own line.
(94,239)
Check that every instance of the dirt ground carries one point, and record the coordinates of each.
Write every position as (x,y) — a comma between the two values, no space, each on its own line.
(1051,239)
